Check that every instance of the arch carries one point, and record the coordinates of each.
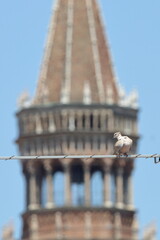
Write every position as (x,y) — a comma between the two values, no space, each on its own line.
(113,186)
(97,179)
(77,184)
(58,183)
(43,192)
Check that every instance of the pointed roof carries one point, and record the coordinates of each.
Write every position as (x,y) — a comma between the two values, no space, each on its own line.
(76,66)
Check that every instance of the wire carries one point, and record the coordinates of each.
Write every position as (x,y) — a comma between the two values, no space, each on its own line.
(154,156)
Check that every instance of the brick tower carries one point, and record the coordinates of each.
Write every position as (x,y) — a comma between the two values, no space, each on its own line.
(77,107)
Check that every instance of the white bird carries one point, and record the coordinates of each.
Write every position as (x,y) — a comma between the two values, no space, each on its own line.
(123,144)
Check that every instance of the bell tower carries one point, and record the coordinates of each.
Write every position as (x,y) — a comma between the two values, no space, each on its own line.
(77,107)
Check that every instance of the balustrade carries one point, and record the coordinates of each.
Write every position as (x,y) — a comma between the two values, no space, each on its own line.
(64,120)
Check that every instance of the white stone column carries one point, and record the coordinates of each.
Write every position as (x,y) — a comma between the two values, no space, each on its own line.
(38,123)
(52,127)
(130,204)
(71,120)
(107,186)
(67,172)
(49,181)
(33,201)
(119,187)
(87,185)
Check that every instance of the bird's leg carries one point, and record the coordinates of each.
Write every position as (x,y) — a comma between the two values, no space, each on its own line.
(119,155)
(125,154)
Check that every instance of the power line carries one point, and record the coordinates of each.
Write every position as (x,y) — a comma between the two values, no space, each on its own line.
(156,157)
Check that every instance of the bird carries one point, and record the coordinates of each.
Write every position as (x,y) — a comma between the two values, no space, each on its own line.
(123,144)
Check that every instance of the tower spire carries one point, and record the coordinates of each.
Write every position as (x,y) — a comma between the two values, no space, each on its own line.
(69,62)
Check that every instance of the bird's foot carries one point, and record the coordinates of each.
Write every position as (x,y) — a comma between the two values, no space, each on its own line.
(119,155)
(125,154)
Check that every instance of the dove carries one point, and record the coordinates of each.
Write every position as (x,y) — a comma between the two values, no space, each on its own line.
(123,144)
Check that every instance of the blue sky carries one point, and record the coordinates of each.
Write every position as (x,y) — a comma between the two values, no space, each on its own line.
(133,32)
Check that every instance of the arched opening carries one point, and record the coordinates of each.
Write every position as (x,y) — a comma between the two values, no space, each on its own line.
(96,186)
(58,183)
(77,185)
(44,192)
(113,187)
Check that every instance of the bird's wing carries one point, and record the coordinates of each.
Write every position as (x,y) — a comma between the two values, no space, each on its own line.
(127,140)
(118,145)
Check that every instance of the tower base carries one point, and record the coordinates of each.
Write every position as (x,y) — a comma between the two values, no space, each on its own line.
(79,223)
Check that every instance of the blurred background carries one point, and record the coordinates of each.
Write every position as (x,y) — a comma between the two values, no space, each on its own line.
(133,32)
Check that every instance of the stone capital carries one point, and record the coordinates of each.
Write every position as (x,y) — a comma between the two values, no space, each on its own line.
(66,162)
(48,165)
(107,167)
(87,163)
(31,168)
(107,162)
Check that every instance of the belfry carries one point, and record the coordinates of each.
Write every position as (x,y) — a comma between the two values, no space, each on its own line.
(77,107)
